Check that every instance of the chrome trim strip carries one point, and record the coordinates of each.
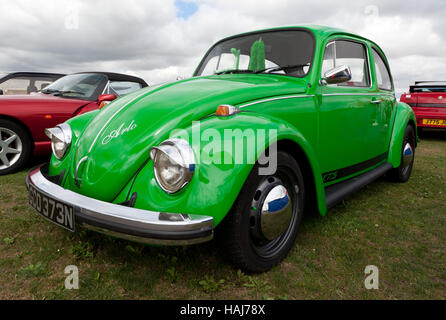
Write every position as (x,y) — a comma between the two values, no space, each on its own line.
(77,170)
(106,87)
(111,118)
(127,218)
(274,99)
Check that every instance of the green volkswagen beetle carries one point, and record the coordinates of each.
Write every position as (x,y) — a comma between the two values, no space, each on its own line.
(273,124)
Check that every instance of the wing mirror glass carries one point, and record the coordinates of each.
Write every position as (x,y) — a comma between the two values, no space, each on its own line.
(337,75)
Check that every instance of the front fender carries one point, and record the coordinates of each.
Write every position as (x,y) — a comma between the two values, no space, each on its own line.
(404,116)
(216,184)
(78,125)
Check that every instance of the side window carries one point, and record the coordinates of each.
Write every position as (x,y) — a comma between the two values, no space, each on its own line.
(382,72)
(121,88)
(16,86)
(352,54)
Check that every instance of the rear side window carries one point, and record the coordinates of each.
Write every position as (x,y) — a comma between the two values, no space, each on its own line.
(24,85)
(121,88)
(382,72)
(352,54)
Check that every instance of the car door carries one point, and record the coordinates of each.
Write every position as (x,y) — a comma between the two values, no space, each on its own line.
(387,105)
(348,121)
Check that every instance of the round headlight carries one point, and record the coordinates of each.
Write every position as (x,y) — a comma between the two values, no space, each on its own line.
(173,164)
(60,139)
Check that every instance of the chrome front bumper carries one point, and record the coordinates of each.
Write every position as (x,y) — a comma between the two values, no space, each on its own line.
(126,222)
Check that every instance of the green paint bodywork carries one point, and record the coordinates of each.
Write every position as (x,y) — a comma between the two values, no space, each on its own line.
(307,119)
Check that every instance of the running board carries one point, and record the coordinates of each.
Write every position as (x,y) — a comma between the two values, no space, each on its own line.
(337,192)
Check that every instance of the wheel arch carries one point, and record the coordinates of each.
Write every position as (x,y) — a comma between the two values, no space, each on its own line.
(404,116)
(22,125)
(296,151)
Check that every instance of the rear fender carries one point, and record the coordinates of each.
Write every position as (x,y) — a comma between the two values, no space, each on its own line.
(404,116)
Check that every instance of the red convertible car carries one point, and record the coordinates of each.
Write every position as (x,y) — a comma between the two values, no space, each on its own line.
(23,118)
(428,101)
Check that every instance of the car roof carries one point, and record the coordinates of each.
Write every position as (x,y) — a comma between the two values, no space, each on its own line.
(119,77)
(35,74)
(318,30)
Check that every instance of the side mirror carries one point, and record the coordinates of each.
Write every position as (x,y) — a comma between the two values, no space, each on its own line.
(1,92)
(337,75)
(106,98)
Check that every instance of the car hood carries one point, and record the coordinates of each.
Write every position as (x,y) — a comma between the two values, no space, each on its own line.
(38,100)
(117,141)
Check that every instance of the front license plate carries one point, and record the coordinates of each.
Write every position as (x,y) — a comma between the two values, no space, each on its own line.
(434,122)
(57,212)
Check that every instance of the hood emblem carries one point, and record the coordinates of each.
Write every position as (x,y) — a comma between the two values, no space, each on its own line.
(440,98)
(119,132)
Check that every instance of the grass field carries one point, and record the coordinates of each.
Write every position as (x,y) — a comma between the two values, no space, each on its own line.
(400,228)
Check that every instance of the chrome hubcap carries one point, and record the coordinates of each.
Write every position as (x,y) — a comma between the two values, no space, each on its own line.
(10,148)
(407,155)
(276,213)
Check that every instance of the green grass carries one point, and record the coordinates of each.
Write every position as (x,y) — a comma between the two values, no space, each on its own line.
(400,228)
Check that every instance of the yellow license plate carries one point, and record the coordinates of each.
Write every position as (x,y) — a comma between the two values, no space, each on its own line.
(434,122)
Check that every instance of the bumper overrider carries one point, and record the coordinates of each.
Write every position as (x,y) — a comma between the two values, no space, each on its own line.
(113,219)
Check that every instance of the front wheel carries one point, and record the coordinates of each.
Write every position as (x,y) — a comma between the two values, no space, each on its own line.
(403,172)
(15,147)
(261,227)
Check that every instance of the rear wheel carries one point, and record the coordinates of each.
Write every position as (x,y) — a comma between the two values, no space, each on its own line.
(260,229)
(15,147)
(403,172)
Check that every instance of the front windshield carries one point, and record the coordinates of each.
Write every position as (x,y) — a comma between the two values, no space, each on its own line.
(86,86)
(288,52)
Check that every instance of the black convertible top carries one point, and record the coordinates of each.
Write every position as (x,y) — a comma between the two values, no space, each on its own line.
(419,85)
(33,74)
(120,77)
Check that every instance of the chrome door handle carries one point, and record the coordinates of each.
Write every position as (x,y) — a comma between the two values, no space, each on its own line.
(376,101)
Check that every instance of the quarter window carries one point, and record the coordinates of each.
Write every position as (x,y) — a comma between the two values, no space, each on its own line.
(382,72)
(352,54)
(121,88)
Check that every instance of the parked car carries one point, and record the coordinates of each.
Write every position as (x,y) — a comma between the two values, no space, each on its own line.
(23,118)
(26,82)
(428,101)
(273,124)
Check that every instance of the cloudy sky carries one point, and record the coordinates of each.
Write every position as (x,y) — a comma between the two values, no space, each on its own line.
(162,39)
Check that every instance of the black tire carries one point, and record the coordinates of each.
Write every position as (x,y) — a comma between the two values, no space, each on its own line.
(13,162)
(403,172)
(242,239)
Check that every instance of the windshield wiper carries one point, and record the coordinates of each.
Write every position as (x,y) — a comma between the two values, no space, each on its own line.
(70,91)
(48,91)
(234,71)
(283,68)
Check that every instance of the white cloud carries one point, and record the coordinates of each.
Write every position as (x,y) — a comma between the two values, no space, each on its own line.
(146,38)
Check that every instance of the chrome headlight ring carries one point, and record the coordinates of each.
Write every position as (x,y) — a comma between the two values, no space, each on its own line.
(173,164)
(61,137)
